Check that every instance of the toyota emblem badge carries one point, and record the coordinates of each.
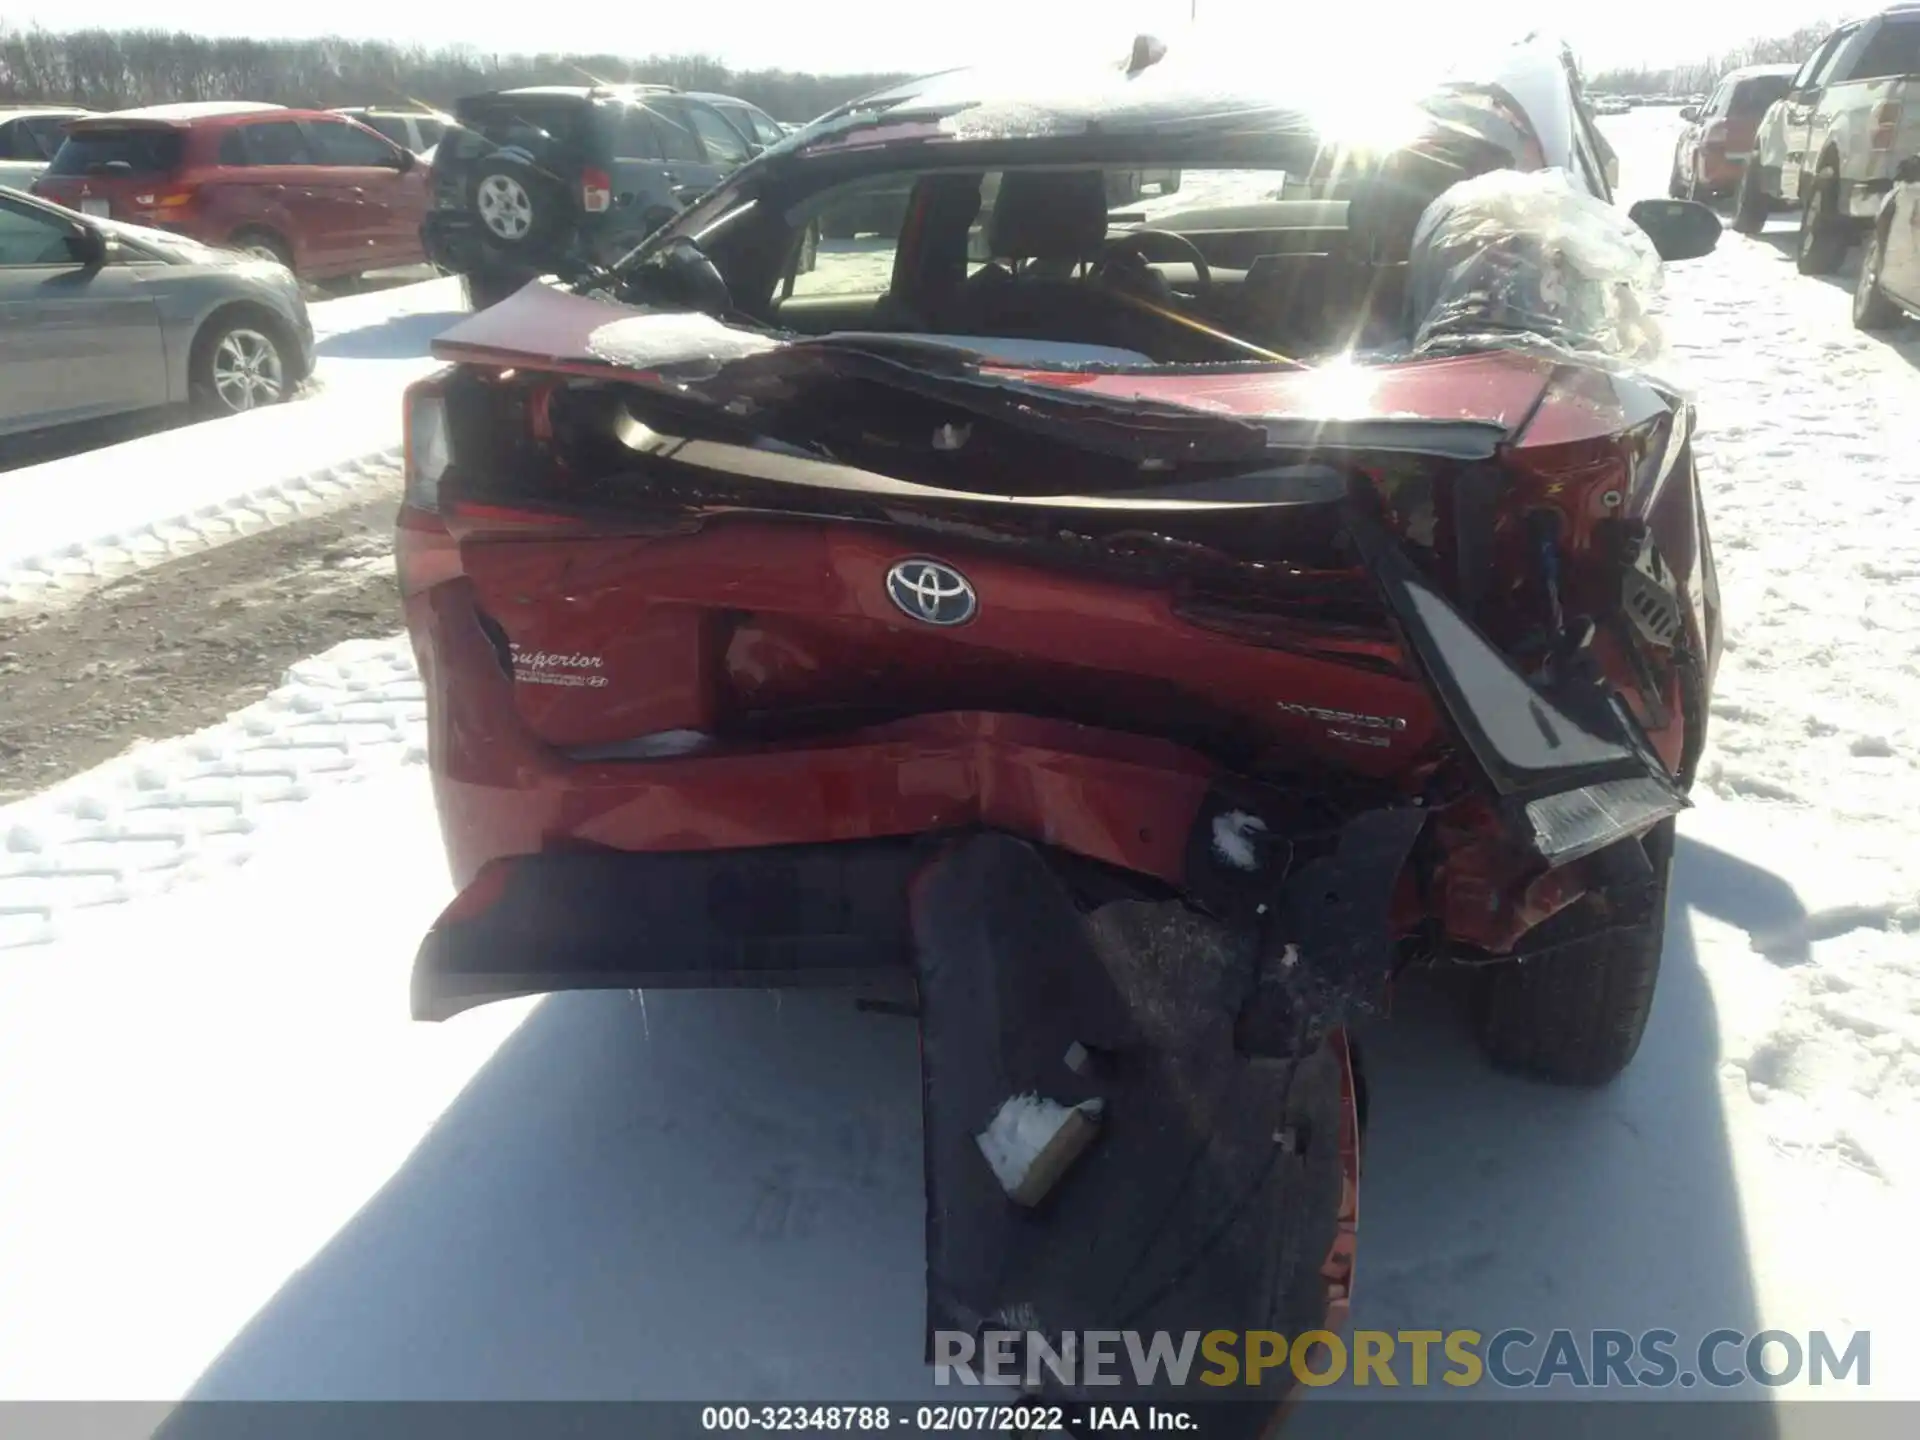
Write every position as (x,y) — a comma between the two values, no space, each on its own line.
(930,592)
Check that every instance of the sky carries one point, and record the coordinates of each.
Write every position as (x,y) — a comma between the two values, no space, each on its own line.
(843,36)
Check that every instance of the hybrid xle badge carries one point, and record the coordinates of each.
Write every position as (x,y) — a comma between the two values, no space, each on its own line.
(1349,726)
(930,592)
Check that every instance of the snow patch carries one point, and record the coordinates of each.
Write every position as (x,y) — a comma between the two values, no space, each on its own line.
(1022,1130)
(71,568)
(1233,842)
(174,810)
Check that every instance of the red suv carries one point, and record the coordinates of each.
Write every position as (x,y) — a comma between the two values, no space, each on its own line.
(322,194)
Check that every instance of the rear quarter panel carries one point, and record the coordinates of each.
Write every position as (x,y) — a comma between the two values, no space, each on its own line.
(256,196)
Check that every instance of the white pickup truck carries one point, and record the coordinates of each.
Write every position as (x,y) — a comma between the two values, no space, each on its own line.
(29,134)
(1830,146)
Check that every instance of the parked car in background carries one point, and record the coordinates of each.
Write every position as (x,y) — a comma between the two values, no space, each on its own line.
(553,178)
(1711,153)
(1888,290)
(415,130)
(98,318)
(1829,147)
(318,192)
(29,136)
(760,128)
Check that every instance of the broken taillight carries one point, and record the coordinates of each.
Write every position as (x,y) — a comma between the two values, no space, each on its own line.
(429,449)
(596,191)
(1885,127)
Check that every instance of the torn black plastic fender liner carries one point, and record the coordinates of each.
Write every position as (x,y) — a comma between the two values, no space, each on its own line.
(1332,945)
(1209,1199)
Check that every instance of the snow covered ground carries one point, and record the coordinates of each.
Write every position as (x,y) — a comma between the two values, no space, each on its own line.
(233,1168)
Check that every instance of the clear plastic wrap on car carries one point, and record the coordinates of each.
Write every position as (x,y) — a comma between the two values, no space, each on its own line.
(1523,258)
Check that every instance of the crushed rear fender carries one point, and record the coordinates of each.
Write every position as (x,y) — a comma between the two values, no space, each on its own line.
(1571,766)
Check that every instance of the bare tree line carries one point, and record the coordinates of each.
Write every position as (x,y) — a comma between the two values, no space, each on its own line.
(112,70)
(1699,77)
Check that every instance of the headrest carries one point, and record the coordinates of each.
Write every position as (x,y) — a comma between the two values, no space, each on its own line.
(1049,215)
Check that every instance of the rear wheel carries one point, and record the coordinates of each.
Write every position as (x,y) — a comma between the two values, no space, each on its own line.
(1676,186)
(1823,237)
(1749,204)
(1872,310)
(1575,1013)
(264,245)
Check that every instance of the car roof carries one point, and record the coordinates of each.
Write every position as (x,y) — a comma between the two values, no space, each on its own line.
(714,97)
(1189,99)
(571,92)
(1754,72)
(402,112)
(28,112)
(185,112)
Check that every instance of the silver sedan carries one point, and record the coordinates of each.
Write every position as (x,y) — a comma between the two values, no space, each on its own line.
(99,319)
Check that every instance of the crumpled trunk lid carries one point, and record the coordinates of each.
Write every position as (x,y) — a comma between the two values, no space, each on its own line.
(677,527)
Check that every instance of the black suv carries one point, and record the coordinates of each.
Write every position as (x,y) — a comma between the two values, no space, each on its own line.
(553,179)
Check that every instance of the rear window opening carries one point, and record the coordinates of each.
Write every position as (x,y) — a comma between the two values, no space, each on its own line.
(118,152)
(1172,266)
(543,128)
(1752,97)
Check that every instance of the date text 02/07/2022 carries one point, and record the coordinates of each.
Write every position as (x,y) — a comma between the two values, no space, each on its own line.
(942,1419)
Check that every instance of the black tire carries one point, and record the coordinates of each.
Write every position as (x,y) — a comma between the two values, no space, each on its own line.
(1750,205)
(520,209)
(265,244)
(1823,242)
(1575,1014)
(1872,310)
(1676,188)
(486,288)
(240,362)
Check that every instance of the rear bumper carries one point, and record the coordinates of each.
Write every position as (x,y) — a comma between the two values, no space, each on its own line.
(454,241)
(1722,169)
(776,918)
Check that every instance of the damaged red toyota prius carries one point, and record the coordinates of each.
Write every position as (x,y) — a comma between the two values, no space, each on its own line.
(1144,630)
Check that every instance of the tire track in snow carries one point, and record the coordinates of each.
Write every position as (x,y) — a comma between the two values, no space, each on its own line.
(171,811)
(68,572)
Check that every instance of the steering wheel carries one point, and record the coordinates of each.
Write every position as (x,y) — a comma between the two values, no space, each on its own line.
(1135,244)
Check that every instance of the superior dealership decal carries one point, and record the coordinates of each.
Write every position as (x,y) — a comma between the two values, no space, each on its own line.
(547,667)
